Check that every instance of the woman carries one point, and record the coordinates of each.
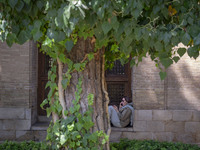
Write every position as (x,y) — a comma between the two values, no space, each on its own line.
(124,115)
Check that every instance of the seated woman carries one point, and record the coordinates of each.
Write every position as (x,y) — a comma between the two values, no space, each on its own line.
(123,116)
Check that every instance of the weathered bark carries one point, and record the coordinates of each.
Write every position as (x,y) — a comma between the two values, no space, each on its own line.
(93,82)
(55,116)
(60,88)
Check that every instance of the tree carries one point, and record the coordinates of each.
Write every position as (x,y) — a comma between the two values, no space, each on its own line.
(75,34)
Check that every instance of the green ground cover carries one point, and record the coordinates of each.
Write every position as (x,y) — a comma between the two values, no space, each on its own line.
(124,144)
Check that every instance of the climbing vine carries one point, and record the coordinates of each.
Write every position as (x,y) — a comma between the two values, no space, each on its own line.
(74,132)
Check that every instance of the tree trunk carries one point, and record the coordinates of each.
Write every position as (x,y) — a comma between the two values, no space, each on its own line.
(93,82)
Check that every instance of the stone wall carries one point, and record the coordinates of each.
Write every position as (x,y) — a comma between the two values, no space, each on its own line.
(163,125)
(18,95)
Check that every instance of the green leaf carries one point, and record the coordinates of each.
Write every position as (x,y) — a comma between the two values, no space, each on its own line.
(116,26)
(113,20)
(132,63)
(181,51)
(127,41)
(82,12)
(185,38)
(166,62)
(90,99)
(27,1)
(12,3)
(90,56)
(63,139)
(66,15)
(23,37)
(136,13)
(72,110)
(167,37)
(19,5)
(72,144)
(43,103)
(37,24)
(100,12)
(62,57)
(138,33)
(69,119)
(158,46)
(65,83)
(10,39)
(176,58)
(69,63)
(66,112)
(197,40)
(79,126)
(75,134)
(48,110)
(47,42)
(106,27)
(37,35)
(69,45)
(103,141)
(162,75)
(193,52)
(53,77)
(77,66)
(67,12)
(190,20)
(48,84)
(40,4)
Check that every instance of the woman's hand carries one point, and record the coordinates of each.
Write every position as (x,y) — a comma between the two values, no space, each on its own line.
(121,104)
(115,107)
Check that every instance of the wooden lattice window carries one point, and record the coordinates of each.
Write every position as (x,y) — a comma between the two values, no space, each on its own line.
(118,81)
(117,69)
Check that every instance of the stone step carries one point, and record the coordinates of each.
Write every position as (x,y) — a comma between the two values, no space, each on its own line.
(44,119)
(40,126)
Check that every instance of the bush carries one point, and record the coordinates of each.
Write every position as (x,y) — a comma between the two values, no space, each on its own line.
(24,146)
(126,144)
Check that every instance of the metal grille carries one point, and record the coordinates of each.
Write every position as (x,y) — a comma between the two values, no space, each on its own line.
(115,92)
(47,64)
(117,69)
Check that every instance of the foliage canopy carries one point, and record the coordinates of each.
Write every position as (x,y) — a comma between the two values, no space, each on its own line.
(132,27)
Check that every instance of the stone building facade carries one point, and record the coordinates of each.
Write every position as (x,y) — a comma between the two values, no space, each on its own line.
(166,110)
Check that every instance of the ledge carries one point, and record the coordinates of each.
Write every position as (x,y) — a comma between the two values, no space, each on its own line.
(128,129)
(40,126)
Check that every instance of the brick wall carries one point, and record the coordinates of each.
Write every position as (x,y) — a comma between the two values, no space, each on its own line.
(14,75)
(179,91)
(18,93)
(183,84)
(147,88)
(165,110)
